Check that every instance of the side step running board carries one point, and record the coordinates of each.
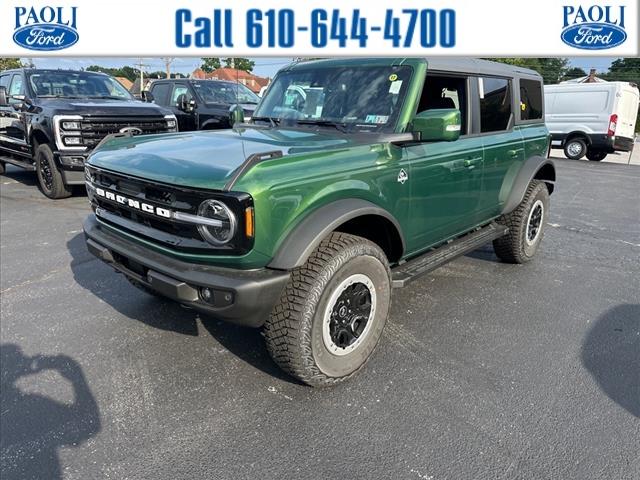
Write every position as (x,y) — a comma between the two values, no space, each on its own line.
(427,262)
(26,164)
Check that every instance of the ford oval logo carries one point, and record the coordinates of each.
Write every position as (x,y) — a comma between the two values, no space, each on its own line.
(593,36)
(131,130)
(45,37)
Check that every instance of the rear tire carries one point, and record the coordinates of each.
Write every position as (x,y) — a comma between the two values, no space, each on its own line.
(526,226)
(2,168)
(575,148)
(596,155)
(331,314)
(49,177)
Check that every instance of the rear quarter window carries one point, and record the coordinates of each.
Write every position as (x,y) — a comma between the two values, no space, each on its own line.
(531,100)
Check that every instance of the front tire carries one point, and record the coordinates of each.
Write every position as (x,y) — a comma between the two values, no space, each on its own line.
(575,149)
(596,155)
(49,177)
(331,314)
(526,226)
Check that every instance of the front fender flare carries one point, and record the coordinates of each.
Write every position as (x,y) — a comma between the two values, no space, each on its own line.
(300,242)
(527,173)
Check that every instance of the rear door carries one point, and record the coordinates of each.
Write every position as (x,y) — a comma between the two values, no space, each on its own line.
(627,111)
(503,144)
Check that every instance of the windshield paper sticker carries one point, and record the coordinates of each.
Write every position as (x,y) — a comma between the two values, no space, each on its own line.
(377,119)
(395,87)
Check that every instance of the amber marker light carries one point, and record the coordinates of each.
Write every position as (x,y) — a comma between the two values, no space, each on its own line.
(248,222)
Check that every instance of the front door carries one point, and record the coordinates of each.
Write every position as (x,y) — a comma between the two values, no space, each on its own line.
(186,119)
(445,177)
(446,185)
(13,133)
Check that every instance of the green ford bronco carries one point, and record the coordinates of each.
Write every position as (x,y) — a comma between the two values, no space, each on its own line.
(353,177)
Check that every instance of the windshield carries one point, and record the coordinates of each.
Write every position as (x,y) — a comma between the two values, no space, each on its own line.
(360,98)
(225,92)
(76,85)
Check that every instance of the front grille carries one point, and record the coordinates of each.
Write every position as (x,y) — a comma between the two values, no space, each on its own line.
(167,232)
(94,129)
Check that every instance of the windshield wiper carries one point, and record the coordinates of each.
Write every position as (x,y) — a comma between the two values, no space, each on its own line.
(340,126)
(274,121)
(59,96)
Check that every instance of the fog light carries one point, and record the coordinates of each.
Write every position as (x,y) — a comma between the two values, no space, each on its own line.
(206,294)
(72,161)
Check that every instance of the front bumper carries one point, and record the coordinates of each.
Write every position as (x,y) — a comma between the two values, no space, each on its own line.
(245,297)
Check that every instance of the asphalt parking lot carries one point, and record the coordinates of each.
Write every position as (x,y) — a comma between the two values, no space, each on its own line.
(486,370)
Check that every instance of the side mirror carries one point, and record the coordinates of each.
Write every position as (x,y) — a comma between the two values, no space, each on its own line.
(4,100)
(147,96)
(236,115)
(438,125)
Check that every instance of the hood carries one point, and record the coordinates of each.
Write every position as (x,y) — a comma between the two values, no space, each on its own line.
(96,107)
(207,159)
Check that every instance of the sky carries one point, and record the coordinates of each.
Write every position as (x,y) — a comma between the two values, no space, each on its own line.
(265,66)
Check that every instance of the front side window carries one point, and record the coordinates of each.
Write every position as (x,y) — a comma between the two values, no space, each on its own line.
(4,81)
(224,92)
(495,104)
(358,98)
(180,90)
(530,99)
(442,91)
(60,84)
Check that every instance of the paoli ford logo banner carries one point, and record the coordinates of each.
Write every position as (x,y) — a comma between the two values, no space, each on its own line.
(594,27)
(45,28)
(291,28)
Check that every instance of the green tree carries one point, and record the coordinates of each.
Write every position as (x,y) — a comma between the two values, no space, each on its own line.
(240,64)
(127,72)
(574,72)
(209,64)
(8,62)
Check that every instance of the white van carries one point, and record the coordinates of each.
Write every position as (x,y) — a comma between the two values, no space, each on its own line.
(591,119)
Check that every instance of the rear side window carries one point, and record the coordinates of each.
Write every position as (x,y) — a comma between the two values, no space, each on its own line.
(495,104)
(160,93)
(530,100)
(16,86)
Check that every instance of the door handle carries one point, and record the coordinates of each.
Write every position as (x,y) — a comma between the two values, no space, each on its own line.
(513,153)
(471,162)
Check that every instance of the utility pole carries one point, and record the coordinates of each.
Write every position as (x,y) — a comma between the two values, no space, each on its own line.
(167,63)
(141,66)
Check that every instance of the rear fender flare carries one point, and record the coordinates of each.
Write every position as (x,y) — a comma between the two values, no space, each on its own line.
(533,168)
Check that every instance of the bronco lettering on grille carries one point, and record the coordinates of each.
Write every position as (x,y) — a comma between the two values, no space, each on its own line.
(135,204)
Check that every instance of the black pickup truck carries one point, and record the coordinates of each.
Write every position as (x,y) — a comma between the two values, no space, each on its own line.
(203,104)
(51,120)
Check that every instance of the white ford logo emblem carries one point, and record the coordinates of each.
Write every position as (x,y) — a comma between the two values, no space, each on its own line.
(131,130)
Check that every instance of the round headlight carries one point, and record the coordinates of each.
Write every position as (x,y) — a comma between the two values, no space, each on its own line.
(217,211)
